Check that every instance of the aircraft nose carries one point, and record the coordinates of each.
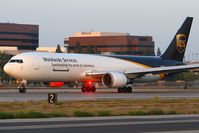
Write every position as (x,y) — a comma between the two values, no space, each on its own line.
(7,69)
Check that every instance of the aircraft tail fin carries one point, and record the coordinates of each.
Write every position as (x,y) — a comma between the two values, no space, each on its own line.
(177,47)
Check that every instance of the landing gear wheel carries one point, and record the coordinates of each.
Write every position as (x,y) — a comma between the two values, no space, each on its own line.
(84,89)
(22,90)
(21,86)
(125,89)
(88,89)
(119,90)
(129,89)
(93,89)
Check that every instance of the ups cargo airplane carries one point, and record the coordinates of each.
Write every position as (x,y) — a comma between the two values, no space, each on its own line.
(114,71)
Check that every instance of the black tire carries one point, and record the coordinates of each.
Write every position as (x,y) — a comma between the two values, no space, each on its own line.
(84,89)
(119,90)
(125,90)
(22,90)
(88,89)
(129,89)
(93,89)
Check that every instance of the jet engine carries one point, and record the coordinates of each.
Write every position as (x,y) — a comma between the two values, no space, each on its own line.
(114,79)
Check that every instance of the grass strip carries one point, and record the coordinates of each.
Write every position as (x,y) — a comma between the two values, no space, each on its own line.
(30,114)
(83,114)
(89,108)
(6,115)
(151,112)
(103,113)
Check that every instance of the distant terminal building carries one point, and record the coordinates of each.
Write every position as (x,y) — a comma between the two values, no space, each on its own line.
(111,43)
(22,36)
(50,49)
(15,51)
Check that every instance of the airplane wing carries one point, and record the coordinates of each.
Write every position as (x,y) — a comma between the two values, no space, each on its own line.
(156,70)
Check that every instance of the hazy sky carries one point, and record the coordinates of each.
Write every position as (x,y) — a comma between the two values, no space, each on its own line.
(61,18)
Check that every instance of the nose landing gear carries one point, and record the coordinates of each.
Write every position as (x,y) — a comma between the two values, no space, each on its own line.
(21,86)
(22,89)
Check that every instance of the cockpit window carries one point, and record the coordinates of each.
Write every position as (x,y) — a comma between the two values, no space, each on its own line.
(16,61)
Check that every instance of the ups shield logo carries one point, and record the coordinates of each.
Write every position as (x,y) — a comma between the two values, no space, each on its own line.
(181,42)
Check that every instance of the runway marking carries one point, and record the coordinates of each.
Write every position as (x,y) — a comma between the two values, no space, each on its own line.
(68,119)
(185,131)
(46,126)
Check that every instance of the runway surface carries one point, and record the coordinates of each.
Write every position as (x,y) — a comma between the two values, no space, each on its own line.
(125,124)
(63,95)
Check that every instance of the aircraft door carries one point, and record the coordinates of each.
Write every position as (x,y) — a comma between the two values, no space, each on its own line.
(36,64)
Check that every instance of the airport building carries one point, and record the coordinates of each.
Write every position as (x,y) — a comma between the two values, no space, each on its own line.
(50,49)
(15,51)
(21,36)
(110,43)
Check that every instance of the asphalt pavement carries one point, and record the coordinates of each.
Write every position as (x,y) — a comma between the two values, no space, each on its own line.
(124,124)
(103,94)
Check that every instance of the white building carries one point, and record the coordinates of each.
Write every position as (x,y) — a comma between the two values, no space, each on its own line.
(94,34)
(50,49)
(9,50)
(15,51)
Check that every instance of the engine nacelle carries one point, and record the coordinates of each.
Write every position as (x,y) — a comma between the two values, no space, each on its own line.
(114,79)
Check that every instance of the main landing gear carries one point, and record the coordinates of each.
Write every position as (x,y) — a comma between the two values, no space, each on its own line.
(125,89)
(88,87)
(21,86)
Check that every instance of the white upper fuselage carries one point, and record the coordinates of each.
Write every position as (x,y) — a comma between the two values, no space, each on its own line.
(42,66)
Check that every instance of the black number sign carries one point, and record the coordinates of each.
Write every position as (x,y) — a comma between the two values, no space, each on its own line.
(52,98)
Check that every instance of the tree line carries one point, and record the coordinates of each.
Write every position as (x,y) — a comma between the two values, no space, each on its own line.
(4,58)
